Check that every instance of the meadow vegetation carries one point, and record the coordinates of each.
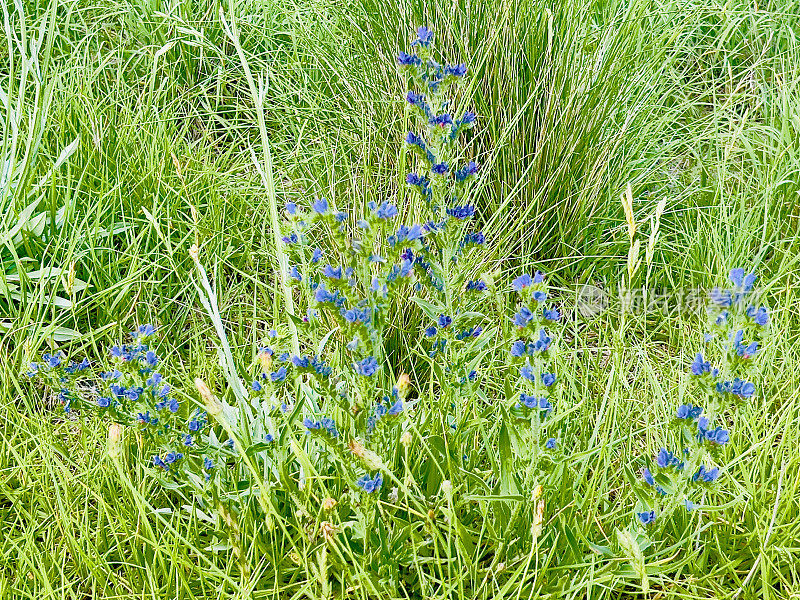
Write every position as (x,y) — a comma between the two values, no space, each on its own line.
(627,145)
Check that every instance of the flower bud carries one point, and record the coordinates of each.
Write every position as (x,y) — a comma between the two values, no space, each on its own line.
(447,487)
(538,518)
(213,406)
(265,359)
(537,493)
(328,530)
(403,385)
(69,283)
(115,440)
(194,252)
(371,461)
(328,504)
(405,439)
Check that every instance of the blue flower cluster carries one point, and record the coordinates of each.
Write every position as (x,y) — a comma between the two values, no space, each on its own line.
(127,387)
(532,358)
(732,316)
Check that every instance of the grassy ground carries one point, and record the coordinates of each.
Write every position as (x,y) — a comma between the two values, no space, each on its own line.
(127,127)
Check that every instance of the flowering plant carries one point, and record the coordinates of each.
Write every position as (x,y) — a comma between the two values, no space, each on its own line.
(682,478)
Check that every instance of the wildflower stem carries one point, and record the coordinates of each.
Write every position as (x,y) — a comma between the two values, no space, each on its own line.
(264,169)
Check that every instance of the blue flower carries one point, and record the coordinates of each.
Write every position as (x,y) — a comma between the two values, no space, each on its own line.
(407,60)
(171,457)
(445,321)
(742,350)
(173,405)
(440,120)
(316,255)
(424,36)
(742,281)
(461,212)
(527,373)
(291,208)
(355,315)
(367,367)
(405,234)
(737,387)
(468,119)
(386,211)
(160,463)
(647,517)
(208,464)
(414,140)
(476,285)
(368,484)
(415,99)
(256,386)
(699,366)
(548,379)
(194,425)
(690,506)
(144,331)
(320,206)
(687,411)
(721,297)
(456,70)
(467,171)
(439,168)
(301,362)
(717,436)
(431,331)
(521,282)
(75,367)
(522,318)
(295,274)
(332,272)
(666,459)
(551,314)
(52,360)
(518,349)
(760,316)
(395,409)
(476,239)
(648,477)
(290,239)
(704,475)
(329,426)
(279,375)
(322,295)
(417,180)
(542,344)
(550,444)
(103,402)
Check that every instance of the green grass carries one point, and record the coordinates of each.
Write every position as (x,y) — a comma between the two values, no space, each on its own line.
(698,103)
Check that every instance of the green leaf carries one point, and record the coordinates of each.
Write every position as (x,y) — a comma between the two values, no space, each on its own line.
(429,308)
(324,341)
(256,448)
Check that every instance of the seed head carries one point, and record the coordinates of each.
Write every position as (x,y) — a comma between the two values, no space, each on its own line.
(115,440)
